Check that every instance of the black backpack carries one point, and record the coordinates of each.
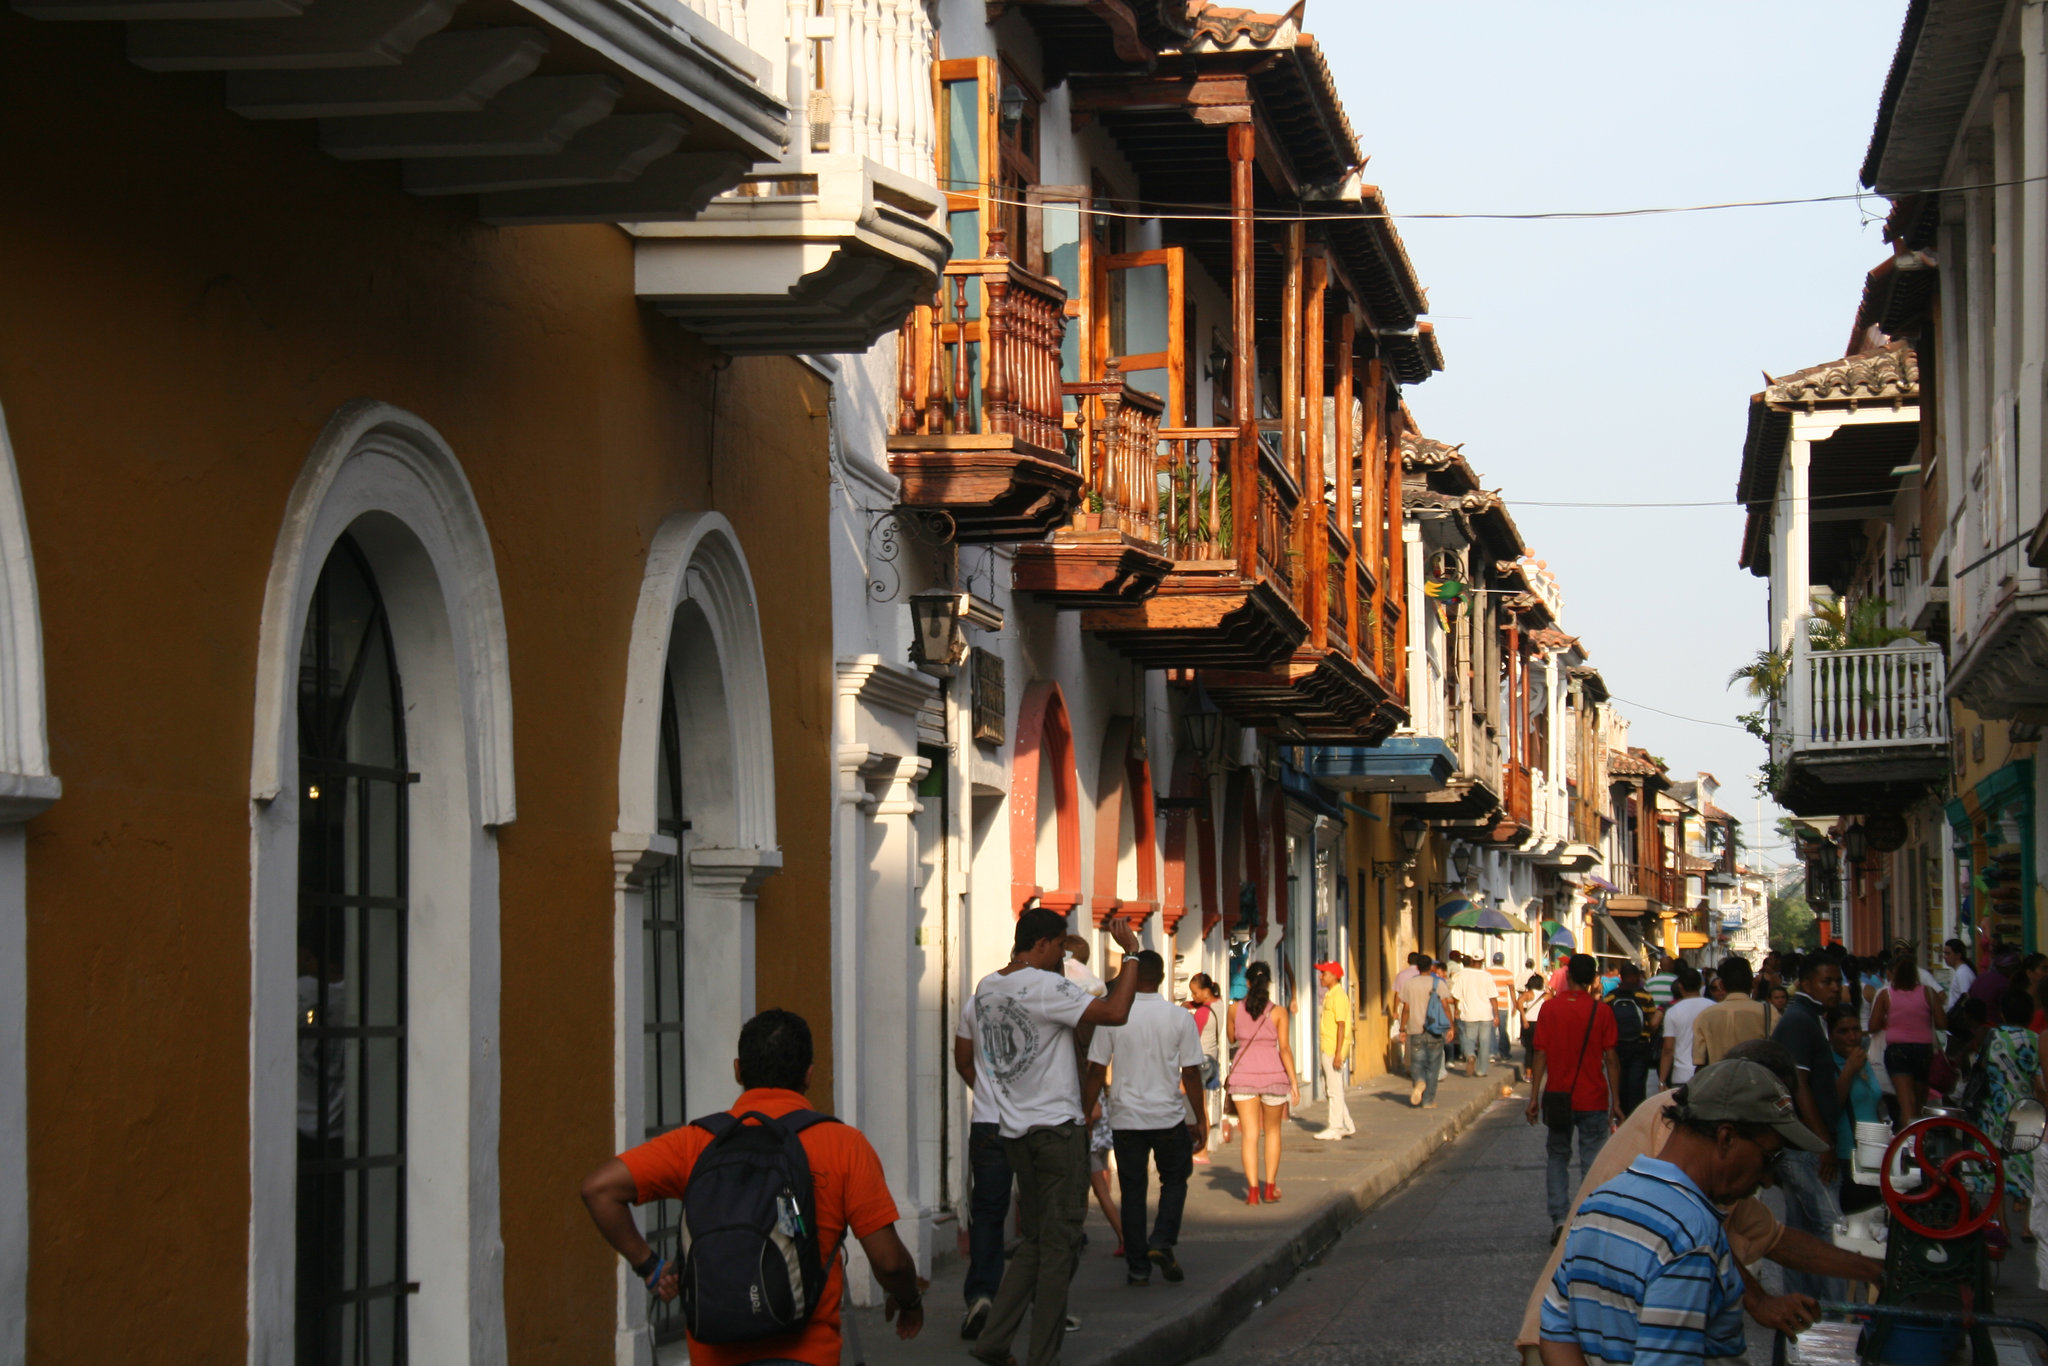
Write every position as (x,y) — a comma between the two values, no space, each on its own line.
(751,1263)
(1628,1018)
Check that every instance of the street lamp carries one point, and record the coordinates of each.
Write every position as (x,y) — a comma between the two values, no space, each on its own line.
(939,639)
(1201,728)
(1412,831)
(1856,843)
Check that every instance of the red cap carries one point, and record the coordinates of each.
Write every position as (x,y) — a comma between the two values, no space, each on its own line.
(1337,968)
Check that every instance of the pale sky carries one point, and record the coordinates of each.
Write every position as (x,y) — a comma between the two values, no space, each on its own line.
(1612,361)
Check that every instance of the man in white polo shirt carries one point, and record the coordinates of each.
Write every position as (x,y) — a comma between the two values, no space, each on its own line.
(1156,1112)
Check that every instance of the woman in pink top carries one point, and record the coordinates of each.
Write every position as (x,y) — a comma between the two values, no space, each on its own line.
(1261,1083)
(1907,1013)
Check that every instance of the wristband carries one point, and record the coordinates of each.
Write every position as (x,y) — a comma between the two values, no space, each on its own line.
(650,1270)
(911,1305)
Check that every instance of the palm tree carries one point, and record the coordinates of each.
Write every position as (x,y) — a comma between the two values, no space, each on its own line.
(1764,675)
(1835,625)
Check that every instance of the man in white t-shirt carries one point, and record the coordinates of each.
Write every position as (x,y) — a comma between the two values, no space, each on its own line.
(1025,1016)
(1472,990)
(1675,1065)
(1961,976)
(1156,1112)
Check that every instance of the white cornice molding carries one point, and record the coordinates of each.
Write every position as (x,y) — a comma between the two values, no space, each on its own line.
(885,686)
(636,854)
(732,873)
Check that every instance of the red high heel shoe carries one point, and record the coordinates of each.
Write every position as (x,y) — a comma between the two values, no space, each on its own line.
(1251,1197)
(1272,1194)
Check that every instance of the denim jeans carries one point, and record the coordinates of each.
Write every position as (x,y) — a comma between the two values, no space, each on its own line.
(1503,1043)
(1591,1127)
(988,1210)
(1174,1152)
(1810,1207)
(1478,1036)
(1426,1062)
(1634,1060)
(1051,1167)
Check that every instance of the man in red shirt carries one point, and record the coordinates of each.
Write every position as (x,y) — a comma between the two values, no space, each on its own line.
(774,1070)
(1575,1038)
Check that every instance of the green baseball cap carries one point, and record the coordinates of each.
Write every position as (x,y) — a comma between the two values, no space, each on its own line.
(1738,1091)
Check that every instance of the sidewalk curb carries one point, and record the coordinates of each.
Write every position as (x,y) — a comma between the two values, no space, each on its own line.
(1188,1336)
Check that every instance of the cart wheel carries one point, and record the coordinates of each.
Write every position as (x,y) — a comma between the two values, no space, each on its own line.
(1942,1176)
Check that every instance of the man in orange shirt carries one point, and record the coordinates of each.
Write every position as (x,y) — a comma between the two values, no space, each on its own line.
(773,1070)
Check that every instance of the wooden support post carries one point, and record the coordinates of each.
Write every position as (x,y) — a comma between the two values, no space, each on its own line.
(1396,550)
(1290,405)
(1244,359)
(1314,540)
(1381,513)
(1347,473)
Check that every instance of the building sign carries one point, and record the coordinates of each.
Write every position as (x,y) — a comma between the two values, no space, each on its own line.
(989,703)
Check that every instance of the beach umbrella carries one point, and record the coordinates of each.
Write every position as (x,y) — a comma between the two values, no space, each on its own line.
(1497,921)
(1562,940)
(1452,909)
(1487,920)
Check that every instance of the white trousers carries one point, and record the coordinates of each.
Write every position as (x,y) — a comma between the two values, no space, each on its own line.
(1340,1112)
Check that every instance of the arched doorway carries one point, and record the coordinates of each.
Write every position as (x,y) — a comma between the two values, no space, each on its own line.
(695,841)
(377,878)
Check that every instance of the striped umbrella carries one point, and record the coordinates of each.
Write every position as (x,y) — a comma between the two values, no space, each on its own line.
(1450,910)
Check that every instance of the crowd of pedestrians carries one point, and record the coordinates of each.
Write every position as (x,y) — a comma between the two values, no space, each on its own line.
(1763,1075)
(1677,1096)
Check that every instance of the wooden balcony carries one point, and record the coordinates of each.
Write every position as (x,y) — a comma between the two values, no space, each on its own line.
(978,433)
(1111,553)
(1212,609)
(1326,690)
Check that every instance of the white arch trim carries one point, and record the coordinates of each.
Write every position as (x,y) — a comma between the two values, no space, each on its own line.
(26,790)
(373,457)
(388,478)
(696,557)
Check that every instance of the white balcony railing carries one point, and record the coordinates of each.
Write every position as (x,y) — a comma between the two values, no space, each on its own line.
(1867,699)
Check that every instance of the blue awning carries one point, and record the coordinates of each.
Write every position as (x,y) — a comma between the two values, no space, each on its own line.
(1400,763)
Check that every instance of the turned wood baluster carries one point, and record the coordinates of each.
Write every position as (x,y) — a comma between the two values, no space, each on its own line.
(960,360)
(906,375)
(935,382)
(999,393)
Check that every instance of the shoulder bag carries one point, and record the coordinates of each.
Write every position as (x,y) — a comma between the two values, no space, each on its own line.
(1557,1105)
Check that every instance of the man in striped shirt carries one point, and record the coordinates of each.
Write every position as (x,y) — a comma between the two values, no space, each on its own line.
(1647,1276)
(1663,987)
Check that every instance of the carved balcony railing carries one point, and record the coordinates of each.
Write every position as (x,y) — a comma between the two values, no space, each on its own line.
(1862,729)
(1516,798)
(1110,552)
(1211,610)
(978,430)
(1194,492)
(1339,628)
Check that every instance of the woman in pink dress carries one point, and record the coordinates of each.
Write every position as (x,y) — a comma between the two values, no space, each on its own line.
(1908,1013)
(1261,1083)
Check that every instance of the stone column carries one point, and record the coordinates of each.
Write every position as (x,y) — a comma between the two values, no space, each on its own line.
(894,966)
(719,889)
(636,856)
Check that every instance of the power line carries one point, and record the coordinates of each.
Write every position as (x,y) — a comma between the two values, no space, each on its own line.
(1208,213)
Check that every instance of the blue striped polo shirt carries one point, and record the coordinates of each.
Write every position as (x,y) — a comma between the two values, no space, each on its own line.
(1647,1276)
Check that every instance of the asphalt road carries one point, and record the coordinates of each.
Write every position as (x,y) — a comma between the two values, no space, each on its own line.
(1436,1275)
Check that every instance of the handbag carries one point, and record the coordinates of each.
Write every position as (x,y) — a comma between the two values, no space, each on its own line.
(1557,1105)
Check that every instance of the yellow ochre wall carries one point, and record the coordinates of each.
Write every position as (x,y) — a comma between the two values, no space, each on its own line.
(185,298)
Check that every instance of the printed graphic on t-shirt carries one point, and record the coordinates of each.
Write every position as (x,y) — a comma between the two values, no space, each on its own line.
(1012,1035)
